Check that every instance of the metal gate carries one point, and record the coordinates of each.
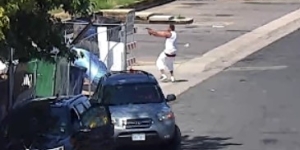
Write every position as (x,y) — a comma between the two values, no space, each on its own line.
(116,32)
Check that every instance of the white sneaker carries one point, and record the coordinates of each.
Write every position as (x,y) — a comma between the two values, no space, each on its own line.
(173,79)
(163,77)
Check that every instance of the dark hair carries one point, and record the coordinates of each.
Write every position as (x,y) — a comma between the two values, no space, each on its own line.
(172,27)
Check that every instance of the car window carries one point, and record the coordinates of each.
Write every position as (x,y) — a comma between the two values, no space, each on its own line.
(95,117)
(87,104)
(80,108)
(75,120)
(132,94)
(98,90)
(59,120)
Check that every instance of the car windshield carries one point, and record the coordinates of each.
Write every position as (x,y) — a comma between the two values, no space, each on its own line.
(95,117)
(132,94)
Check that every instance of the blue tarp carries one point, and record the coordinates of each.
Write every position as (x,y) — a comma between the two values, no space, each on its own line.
(95,68)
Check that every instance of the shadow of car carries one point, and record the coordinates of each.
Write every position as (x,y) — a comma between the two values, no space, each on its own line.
(62,123)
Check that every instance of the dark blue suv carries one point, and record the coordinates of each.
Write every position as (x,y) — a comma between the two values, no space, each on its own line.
(57,123)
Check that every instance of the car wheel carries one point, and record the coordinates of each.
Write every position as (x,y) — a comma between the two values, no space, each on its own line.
(175,142)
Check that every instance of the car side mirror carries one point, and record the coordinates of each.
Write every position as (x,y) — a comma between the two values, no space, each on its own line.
(171,97)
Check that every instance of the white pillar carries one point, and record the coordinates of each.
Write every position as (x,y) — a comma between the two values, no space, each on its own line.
(102,44)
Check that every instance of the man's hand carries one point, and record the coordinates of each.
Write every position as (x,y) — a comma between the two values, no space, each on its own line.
(150,31)
(164,34)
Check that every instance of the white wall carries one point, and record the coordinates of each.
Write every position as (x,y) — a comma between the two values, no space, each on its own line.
(110,52)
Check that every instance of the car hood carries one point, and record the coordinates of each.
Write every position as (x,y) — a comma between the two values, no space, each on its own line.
(138,110)
(51,141)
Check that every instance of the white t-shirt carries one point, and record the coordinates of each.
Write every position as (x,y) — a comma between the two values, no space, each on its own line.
(171,44)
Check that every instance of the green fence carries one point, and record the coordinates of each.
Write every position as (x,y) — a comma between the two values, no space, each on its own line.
(49,79)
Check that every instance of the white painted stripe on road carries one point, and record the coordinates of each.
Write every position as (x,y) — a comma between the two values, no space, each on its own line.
(211,63)
(262,68)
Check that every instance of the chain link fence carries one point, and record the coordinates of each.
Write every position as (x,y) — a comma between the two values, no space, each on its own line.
(92,41)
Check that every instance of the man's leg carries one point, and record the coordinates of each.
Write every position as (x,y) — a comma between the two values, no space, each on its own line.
(172,76)
(170,66)
(162,72)
(160,63)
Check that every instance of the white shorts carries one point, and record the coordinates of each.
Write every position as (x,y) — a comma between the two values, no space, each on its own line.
(163,62)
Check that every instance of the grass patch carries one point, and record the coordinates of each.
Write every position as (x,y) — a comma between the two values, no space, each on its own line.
(108,4)
(103,4)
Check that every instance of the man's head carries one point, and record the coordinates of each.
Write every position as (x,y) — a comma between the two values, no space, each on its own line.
(171,27)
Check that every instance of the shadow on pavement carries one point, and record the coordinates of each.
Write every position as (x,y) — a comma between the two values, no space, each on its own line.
(176,81)
(195,143)
(181,80)
(206,143)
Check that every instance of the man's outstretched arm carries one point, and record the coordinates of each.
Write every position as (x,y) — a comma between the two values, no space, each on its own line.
(164,34)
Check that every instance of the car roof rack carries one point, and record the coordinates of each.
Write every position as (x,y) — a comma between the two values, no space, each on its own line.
(129,71)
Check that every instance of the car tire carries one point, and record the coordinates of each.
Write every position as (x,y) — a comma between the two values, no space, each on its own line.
(175,142)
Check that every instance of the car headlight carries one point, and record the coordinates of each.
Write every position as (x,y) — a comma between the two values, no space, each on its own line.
(58,148)
(165,115)
(118,122)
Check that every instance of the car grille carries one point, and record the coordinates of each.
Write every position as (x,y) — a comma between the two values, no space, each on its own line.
(138,123)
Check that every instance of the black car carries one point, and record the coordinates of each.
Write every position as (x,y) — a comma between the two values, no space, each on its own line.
(57,123)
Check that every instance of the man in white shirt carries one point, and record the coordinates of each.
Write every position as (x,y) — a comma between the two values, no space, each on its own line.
(167,57)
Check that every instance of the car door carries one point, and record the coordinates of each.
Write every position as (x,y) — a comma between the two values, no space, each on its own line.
(25,125)
(96,97)
(80,108)
(97,129)
(4,128)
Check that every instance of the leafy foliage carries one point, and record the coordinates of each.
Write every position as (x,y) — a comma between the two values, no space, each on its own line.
(29,28)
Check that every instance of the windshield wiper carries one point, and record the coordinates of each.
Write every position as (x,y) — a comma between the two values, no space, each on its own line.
(141,103)
(121,104)
(132,103)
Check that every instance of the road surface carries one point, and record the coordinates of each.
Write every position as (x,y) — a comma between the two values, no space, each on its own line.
(216,22)
(253,105)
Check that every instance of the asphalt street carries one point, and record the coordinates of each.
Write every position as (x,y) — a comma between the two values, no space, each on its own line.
(215,23)
(253,105)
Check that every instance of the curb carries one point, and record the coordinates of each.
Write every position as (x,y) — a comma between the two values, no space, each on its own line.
(222,57)
(153,63)
(138,6)
(173,21)
(144,16)
(146,4)
(140,18)
(273,29)
(254,2)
